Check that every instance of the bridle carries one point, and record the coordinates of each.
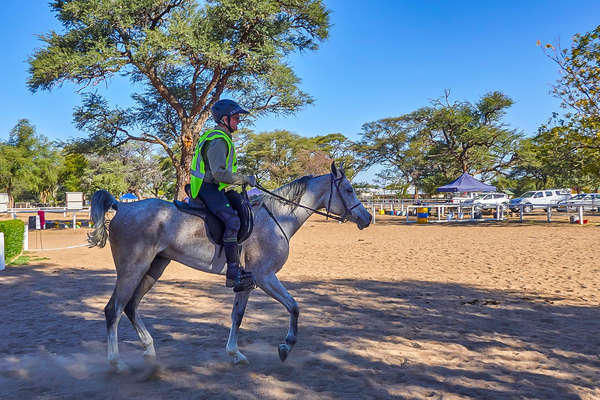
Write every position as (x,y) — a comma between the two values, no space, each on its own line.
(334,182)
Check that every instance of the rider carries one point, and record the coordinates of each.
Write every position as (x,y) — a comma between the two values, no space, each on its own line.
(214,168)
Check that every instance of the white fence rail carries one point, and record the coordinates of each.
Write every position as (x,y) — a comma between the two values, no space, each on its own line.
(445,212)
(56,210)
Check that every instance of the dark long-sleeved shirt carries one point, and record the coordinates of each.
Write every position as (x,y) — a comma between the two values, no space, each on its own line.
(214,153)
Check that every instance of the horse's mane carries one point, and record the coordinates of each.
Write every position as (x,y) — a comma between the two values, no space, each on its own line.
(292,191)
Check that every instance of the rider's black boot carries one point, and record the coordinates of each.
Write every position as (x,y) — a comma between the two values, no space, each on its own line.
(238,279)
(235,276)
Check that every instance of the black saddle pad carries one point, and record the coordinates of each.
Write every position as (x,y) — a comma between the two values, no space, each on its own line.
(214,226)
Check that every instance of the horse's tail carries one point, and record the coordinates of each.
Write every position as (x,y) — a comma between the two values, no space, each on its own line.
(102,201)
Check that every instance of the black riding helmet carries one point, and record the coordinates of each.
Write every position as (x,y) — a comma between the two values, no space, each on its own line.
(226,108)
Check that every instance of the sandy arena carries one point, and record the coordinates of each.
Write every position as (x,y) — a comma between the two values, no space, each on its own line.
(491,311)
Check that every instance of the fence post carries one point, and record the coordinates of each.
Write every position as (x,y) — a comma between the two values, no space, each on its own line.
(580,215)
(520,212)
(373,214)
(26,238)
(549,214)
(74,220)
(2,264)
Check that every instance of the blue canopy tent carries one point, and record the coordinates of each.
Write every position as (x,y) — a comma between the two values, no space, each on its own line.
(466,183)
(128,196)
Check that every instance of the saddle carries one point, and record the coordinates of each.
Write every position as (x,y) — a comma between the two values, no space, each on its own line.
(214,226)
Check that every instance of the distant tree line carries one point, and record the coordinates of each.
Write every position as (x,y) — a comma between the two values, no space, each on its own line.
(183,55)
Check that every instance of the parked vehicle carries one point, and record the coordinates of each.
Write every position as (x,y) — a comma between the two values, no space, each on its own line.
(465,197)
(539,199)
(488,200)
(589,201)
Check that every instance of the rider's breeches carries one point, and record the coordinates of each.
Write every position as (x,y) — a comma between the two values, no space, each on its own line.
(217,203)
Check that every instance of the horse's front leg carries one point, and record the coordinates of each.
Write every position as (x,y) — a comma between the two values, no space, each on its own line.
(237,314)
(273,287)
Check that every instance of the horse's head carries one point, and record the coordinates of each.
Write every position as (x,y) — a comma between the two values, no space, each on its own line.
(343,200)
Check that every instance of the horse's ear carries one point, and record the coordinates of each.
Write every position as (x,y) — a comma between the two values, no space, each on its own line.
(341,169)
(333,169)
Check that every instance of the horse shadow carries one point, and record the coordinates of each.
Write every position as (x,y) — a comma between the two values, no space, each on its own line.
(358,339)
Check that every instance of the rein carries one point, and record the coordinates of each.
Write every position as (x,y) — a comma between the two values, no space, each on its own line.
(328,215)
(334,183)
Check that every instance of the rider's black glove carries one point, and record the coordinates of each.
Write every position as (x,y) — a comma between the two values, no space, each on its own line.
(251,180)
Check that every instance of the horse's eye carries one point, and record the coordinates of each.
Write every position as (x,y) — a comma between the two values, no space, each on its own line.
(349,190)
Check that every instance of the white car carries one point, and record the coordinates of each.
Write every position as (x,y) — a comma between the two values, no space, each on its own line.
(539,199)
(589,201)
(488,200)
(466,198)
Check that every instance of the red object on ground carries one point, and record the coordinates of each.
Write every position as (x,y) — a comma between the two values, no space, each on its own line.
(42,215)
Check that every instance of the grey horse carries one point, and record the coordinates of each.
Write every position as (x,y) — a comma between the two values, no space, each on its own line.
(146,235)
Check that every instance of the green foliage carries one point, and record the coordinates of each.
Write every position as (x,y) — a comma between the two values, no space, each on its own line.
(343,151)
(43,180)
(471,138)
(279,157)
(400,145)
(13,237)
(432,145)
(557,157)
(579,84)
(72,171)
(17,157)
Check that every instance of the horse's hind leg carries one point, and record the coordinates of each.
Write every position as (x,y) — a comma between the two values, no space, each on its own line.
(128,278)
(237,314)
(273,287)
(156,269)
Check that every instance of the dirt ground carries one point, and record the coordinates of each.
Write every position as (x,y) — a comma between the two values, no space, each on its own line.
(438,311)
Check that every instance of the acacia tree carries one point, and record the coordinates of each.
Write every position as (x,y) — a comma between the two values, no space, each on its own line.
(343,151)
(185,56)
(469,137)
(400,145)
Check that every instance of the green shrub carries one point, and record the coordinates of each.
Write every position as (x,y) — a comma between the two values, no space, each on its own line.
(13,237)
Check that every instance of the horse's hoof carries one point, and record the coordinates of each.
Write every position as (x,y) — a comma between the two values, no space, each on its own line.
(151,372)
(284,350)
(239,359)
(120,367)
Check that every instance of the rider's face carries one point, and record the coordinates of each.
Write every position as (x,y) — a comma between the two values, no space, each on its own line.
(234,120)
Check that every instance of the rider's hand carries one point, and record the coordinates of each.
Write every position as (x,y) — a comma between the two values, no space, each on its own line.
(251,180)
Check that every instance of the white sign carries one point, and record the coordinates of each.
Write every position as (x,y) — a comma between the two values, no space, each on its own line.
(74,200)
(3,202)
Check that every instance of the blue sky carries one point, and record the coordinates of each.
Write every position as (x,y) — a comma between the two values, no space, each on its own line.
(383,58)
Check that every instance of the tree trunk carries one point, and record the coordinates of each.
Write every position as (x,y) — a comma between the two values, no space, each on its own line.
(11,199)
(183,171)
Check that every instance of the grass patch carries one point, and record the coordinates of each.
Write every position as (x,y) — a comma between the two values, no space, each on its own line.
(25,259)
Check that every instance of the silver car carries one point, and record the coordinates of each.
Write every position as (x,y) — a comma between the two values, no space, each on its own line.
(589,201)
